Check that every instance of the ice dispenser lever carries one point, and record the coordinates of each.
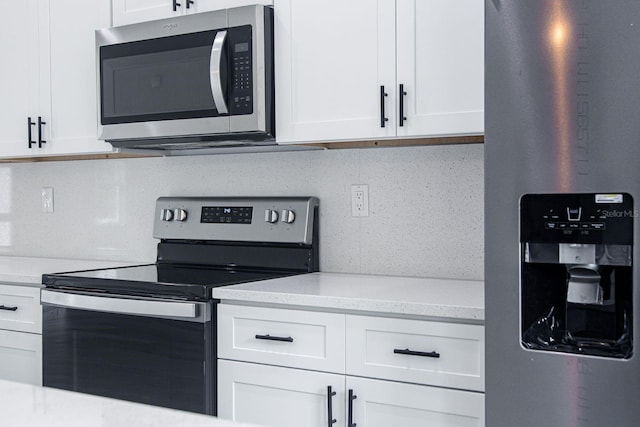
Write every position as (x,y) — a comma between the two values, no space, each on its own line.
(583,285)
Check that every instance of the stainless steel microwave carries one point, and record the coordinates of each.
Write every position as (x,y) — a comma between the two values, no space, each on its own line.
(196,81)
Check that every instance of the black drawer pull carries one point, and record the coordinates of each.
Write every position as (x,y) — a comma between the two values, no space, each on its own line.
(352,397)
(383,117)
(270,338)
(30,124)
(417,353)
(4,307)
(330,393)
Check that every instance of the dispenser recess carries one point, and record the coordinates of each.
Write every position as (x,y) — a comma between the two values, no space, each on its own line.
(576,273)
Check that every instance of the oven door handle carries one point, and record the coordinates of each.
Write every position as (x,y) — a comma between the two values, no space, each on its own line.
(135,307)
(215,72)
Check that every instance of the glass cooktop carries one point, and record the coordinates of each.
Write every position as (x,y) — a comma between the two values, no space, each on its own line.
(157,280)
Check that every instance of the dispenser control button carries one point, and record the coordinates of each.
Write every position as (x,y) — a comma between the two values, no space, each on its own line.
(574,214)
(166,214)
(551,225)
(180,215)
(271,216)
(598,226)
(574,225)
(563,225)
(288,216)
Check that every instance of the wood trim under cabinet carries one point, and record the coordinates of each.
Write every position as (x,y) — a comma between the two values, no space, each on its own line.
(74,157)
(413,142)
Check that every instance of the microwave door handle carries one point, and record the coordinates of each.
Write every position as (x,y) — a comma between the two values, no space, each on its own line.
(215,66)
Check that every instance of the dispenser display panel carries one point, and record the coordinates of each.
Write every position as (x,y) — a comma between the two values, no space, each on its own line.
(576,278)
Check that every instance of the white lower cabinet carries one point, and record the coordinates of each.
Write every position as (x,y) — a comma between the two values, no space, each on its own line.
(21,357)
(377,403)
(285,397)
(20,334)
(357,370)
(278,397)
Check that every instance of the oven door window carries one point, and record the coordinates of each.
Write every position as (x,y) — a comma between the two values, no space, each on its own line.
(162,79)
(149,360)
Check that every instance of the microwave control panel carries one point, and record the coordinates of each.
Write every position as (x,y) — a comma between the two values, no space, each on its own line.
(241,70)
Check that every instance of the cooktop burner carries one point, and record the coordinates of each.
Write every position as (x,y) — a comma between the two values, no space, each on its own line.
(184,281)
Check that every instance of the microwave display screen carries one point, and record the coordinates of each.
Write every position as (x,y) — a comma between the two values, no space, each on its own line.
(241,47)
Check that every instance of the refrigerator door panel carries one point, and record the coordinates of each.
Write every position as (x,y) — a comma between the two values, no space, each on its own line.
(561,102)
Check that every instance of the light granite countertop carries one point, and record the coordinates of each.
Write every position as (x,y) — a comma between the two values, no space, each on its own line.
(429,297)
(29,270)
(26,405)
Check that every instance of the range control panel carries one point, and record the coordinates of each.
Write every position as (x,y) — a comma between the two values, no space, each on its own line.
(577,218)
(287,220)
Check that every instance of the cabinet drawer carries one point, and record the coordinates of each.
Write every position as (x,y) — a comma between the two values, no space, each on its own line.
(416,351)
(292,338)
(21,357)
(20,308)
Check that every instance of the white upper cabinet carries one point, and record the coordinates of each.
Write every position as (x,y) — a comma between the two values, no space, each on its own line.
(332,64)
(52,91)
(338,74)
(18,82)
(440,63)
(132,11)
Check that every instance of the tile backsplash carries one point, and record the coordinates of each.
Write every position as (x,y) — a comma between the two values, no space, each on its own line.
(425,205)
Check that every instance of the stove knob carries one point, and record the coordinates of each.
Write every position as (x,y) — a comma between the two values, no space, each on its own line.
(288,216)
(166,215)
(271,216)
(180,215)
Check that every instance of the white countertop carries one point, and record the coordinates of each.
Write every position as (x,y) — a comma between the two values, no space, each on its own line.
(29,270)
(26,405)
(442,298)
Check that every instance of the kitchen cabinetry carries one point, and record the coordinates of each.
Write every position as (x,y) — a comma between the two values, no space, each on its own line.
(275,381)
(132,11)
(49,89)
(20,334)
(384,70)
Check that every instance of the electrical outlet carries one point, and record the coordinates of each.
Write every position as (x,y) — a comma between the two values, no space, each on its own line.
(360,200)
(47,199)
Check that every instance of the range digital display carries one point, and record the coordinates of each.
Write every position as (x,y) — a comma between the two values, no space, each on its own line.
(226,215)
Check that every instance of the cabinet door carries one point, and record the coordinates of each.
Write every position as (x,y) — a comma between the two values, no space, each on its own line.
(384,403)
(132,11)
(331,59)
(278,397)
(21,357)
(22,311)
(68,101)
(207,5)
(440,49)
(19,75)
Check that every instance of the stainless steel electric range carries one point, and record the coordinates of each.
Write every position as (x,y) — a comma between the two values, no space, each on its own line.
(147,333)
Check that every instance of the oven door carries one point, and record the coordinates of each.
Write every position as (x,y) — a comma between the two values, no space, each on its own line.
(153,351)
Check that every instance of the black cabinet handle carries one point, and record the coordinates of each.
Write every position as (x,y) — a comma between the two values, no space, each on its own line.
(402,94)
(383,119)
(189,2)
(4,307)
(29,125)
(330,394)
(417,353)
(41,124)
(176,5)
(270,338)
(352,397)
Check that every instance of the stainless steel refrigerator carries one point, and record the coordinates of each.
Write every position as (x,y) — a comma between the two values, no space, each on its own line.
(562,202)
